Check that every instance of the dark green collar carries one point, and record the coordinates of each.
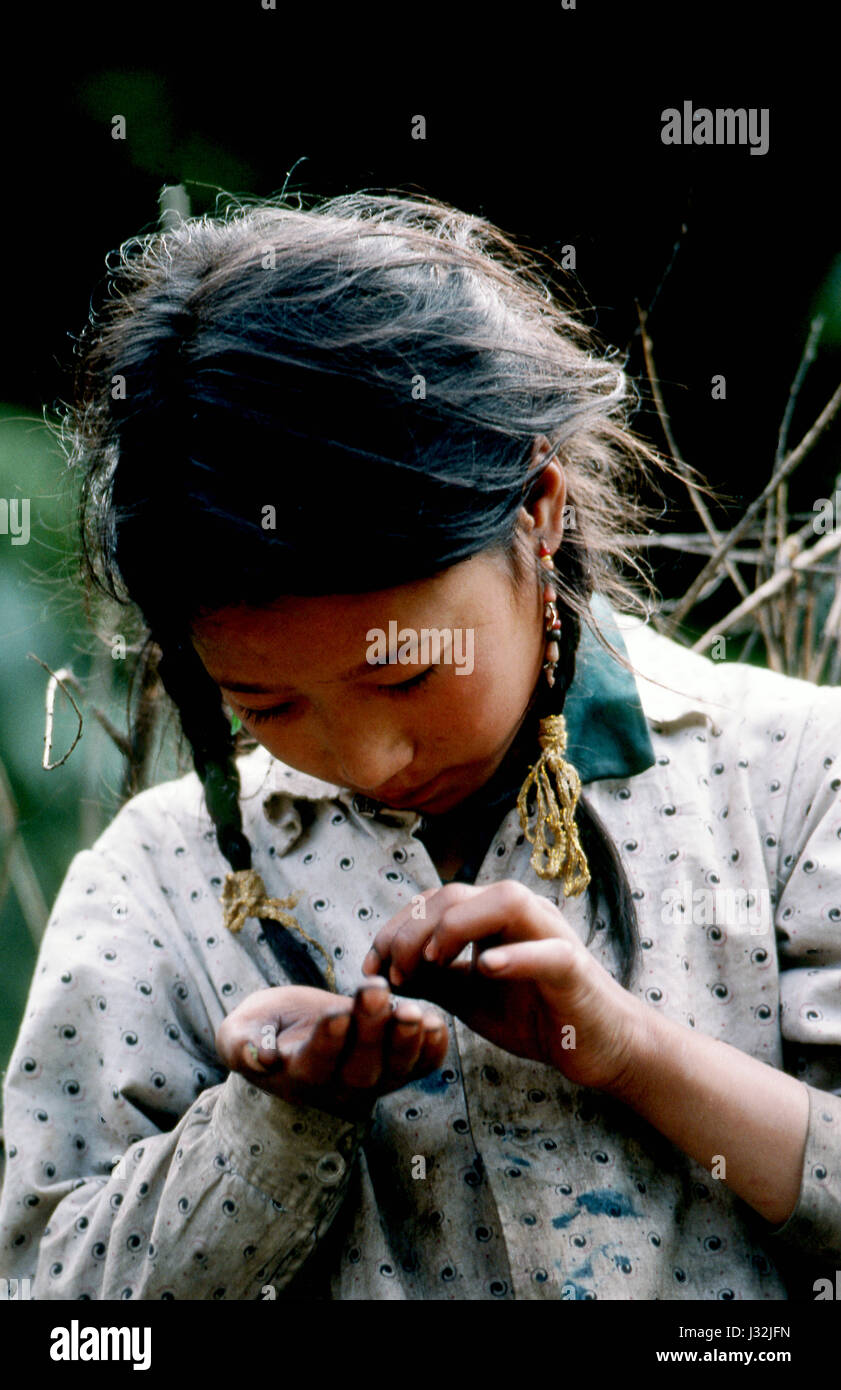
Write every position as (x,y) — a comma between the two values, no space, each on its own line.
(607,732)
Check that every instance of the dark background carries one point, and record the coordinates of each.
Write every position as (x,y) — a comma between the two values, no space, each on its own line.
(550,130)
(547,123)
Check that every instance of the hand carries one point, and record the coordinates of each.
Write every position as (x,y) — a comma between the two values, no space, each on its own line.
(326,1050)
(532,987)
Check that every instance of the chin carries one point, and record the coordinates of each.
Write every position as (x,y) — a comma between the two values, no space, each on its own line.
(439,803)
(456,788)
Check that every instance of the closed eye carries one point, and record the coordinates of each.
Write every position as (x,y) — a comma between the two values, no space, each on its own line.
(264,716)
(405,687)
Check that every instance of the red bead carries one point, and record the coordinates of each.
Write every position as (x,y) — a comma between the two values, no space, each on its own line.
(544,549)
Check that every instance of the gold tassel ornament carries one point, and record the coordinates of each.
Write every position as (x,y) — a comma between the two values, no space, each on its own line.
(244,895)
(558,788)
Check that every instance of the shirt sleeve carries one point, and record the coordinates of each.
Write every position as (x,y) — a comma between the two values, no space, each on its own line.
(137,1166)
(808,928)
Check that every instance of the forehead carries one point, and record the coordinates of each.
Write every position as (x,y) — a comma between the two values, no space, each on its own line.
(326,636)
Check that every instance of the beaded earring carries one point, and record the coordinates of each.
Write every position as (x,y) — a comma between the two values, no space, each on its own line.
(564,857)
(550,615)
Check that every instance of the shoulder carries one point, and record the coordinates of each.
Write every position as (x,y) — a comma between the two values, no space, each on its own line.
(176,811)
(675,682)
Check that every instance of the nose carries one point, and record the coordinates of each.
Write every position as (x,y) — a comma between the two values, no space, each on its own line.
(370,755)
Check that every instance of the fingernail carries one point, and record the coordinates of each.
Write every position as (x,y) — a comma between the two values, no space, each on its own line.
(371,959)
(430,950)
(396,976)
(373,1000)
(254,1057)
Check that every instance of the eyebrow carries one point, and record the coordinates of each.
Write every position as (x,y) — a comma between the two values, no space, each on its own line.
(241,688)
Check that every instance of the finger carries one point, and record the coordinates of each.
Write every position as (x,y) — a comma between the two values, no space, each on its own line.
(404,1042)
(242,1044)
(262,1016)
(416,914)
(372,1009)
(414,911)
(555,963)
(435,1043)
(315,1061)
(447,987)
(363,1062)
(397,948)
(275,1004)
(508,911)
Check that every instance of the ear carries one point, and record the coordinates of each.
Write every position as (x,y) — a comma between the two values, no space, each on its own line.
(544,513)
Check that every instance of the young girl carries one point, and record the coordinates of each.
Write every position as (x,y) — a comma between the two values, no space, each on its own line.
(506,966)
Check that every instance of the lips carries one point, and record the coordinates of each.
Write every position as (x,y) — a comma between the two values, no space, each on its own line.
(409,795)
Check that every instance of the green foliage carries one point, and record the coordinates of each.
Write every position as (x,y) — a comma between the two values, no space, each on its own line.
(829,304)
(155,140)
(46,817)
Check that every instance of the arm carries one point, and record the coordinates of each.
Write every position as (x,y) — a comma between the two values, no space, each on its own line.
(714,1101)
(218,1187)
(538,992)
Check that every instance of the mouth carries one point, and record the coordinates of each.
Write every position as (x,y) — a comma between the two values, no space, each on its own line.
(412,796)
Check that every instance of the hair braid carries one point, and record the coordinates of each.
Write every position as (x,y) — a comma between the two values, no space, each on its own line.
(210,738)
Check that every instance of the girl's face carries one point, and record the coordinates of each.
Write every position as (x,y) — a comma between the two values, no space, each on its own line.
(303,677)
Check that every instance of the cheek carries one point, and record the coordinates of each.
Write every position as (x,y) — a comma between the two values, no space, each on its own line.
(478,710)
(294,744)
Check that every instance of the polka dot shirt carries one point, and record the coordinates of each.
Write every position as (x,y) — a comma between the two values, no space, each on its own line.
(136,1167)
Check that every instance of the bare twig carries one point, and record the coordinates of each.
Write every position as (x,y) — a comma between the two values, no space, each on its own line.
(826,546)
(63,680)
(809,352)
(664,277)
(692,543)
(781,498)
(833,676)
(807,633)
(697,501)
(774,654)
(787,467)
(786,606)
(749,644)
(57,681)
(831,633)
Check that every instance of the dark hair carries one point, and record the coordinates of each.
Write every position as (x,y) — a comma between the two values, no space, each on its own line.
(393,353)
